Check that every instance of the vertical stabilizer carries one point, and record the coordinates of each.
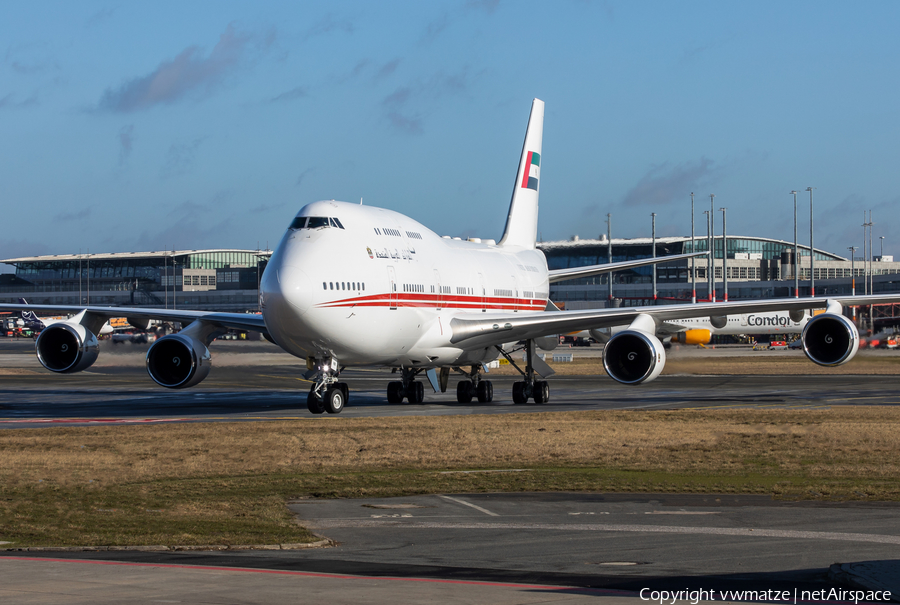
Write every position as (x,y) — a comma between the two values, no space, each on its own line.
(521,223)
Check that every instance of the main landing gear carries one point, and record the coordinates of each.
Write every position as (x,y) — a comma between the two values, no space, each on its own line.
(407,387)
(474,386)
(523,390)
(327,394)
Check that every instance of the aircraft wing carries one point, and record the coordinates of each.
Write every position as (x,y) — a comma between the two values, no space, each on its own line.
(237,321)
(576,272)
(484,330)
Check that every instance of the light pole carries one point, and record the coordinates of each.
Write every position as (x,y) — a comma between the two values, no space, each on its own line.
(708,260)
(609,279)
(712,255)
(812,250)
(866,224)
(693,249)
(653,243)
(852,250)
(796,257)
(882,247)
(724,258)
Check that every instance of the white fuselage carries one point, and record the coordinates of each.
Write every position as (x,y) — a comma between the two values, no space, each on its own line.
(376,287)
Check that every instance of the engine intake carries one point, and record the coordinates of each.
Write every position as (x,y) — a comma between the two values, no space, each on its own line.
(67,348)
(633,356)
(830,339)
(178,361)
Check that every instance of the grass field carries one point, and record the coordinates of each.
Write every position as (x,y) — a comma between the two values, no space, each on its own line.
(227,483)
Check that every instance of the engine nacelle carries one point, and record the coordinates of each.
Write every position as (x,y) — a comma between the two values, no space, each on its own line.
(830,339)
(634,356)
(547,343)
(67,347)
(693,337)
(178,361)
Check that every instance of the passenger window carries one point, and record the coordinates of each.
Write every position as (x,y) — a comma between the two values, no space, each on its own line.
(317,221)
(342,286)
(324,286)
(331,285)
(298,223)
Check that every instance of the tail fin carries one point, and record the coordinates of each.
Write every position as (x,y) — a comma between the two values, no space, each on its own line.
(521,223)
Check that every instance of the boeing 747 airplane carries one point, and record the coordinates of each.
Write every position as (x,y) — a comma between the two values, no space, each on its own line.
(353,285)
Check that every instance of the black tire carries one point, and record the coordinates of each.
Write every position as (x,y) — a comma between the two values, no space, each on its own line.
(541,391)
(518,393)
(464,391)
(420,392)
(313,404)
(485,391)
(334,400)
(395,392)
(416,392)
(346,390)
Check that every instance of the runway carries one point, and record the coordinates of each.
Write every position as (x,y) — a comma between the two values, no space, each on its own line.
(250,382)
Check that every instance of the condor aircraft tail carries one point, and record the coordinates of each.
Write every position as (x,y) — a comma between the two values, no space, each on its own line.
(521,223)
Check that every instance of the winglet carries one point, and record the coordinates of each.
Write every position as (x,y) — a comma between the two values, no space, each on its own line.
(521,223)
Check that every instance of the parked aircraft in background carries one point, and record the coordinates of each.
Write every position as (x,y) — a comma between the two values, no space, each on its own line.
(353,285)
(38,324)
(700,330)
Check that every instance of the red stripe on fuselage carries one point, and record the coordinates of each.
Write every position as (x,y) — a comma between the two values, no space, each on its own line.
(438,301)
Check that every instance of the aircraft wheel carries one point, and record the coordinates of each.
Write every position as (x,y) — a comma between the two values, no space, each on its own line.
(334,400)
(485,391)
(346,391)
(417,392)
(519,395)
(395,392)
(464,391)
(541,391)
(313,404)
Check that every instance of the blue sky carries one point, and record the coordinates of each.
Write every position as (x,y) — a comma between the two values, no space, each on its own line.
(143,126)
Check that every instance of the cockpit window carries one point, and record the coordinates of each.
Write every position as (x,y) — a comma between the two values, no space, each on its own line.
(316,222)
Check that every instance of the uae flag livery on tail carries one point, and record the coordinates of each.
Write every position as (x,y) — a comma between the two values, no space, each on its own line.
(532,169)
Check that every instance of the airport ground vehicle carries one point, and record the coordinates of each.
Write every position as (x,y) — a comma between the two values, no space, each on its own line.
(778,345)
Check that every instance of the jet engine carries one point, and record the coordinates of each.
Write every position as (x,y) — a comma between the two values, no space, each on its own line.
(178,361)
(634,356)
(547,343)
(67,347)
(830,339)
(692,337)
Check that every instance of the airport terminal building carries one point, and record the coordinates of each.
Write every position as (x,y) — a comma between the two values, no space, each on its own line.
(228,279)
(221,280)
(754,267)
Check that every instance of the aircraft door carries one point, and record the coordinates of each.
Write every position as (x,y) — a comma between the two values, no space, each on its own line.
(392,287)
(482,293)
(440,289)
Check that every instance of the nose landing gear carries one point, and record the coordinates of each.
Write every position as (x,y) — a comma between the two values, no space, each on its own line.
(327,394)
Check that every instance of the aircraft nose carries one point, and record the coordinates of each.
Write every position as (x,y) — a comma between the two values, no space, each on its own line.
(295,287)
